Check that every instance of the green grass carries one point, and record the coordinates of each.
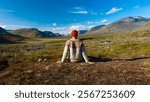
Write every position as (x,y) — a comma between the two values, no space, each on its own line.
(122,46)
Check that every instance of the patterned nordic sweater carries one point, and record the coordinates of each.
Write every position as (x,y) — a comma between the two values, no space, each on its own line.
(75,51)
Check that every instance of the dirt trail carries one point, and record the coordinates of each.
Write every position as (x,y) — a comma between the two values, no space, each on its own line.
(116,72)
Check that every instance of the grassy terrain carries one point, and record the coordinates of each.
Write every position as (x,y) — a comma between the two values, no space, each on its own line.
(33,61)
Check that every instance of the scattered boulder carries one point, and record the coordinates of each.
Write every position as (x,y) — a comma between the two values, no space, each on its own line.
(45,59)
(106,42)
(29,71)
(39,60)
(47,67)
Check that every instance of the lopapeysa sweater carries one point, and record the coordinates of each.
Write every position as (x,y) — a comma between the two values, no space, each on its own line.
(75,51)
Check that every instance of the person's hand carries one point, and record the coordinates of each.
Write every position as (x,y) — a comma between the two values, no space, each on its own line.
(90,62)
(59,62)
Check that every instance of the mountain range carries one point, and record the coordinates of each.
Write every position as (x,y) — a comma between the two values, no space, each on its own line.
(83,31)
(127,24)
(20,34)
(8,37)
(96,28)
(34,33)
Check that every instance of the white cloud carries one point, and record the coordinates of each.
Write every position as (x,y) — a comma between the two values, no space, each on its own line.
(54,24)
(104,21)
(66,29)
(78,8)
(3,26)
(11,26)
(93,13)
(89,22)
(137,6)
(81,10)
(77,27)
(7,10)
(80,27)
(60,29)
(113,10)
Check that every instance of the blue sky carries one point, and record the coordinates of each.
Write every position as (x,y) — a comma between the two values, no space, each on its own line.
(64,15)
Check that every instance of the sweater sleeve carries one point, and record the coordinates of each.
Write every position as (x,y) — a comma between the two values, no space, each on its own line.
(65,52)
(84,54)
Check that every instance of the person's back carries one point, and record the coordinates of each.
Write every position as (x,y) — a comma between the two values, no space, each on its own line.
(74,49)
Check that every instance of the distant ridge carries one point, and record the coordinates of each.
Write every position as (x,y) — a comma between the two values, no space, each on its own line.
(127,24)
(83,31)
(34,33)
(8,37)
(96,28)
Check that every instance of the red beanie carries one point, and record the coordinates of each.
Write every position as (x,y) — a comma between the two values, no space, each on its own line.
(74,33)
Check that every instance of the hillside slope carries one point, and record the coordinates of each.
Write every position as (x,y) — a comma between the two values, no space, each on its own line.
(8,37)
(144,27)
(96,28)
(33,33)
(124,25)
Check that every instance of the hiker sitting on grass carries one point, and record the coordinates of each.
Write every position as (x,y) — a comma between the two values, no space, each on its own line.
(74,50)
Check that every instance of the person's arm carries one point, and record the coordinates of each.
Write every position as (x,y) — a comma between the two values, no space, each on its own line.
(65,52)
(84,54)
